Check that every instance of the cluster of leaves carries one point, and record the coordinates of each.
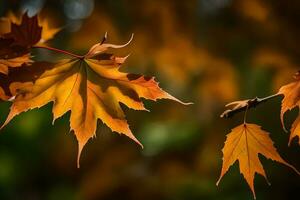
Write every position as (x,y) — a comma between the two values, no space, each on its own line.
(90,86)
(246,141)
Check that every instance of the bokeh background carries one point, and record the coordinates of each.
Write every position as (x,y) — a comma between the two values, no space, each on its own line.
(209,52)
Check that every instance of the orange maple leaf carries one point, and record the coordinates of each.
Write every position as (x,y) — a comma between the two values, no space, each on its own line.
(244,143)
(92,88)
(295,130)
(291,94)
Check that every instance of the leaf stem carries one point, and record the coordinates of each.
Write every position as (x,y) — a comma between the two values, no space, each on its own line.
(245,115)
(59,51)
(251,103)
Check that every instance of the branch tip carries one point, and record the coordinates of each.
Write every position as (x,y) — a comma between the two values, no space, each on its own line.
(239,106)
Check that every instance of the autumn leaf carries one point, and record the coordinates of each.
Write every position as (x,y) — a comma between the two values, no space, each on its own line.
(291,93)
(13,62)
(295,130)
(12,55)
(48,30)
(19,77)
(244,143)
(14,46)
(92,88)
(26,34)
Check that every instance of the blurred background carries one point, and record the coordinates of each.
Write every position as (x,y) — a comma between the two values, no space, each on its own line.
(209,52)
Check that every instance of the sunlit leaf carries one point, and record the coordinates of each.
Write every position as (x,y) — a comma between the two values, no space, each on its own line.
(91,88)
(291,98)
(243,144)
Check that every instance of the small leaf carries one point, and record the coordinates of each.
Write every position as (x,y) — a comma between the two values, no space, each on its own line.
(14,45)
(26,34)
(47,33)
(295,130)
(244,143)
(291,98)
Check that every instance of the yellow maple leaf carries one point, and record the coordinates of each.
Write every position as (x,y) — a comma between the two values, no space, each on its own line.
(92,88)
(244,143)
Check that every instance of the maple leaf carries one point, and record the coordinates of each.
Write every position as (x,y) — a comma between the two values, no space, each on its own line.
(26,34)
(14,46)
(92,88)
(19,77)
(295,130)
(244,143)
(12,55)
(48,31)
(291,93)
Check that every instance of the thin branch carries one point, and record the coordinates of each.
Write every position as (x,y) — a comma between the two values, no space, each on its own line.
(239,106)
(59,50)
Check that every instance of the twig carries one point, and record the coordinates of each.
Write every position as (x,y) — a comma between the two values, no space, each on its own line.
(239,106)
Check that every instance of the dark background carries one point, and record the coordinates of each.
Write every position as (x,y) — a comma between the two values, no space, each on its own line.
(209,52)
